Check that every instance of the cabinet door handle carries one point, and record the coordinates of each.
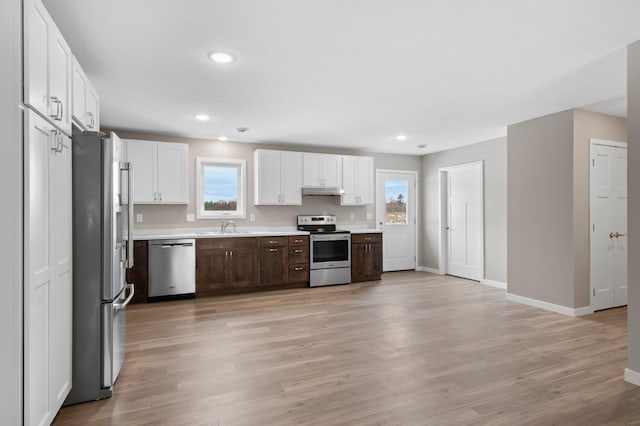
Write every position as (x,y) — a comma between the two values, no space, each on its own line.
(90,123)
(298,251)
(298,268)
(58,114)
(155,197)
(160,196)
(273,249)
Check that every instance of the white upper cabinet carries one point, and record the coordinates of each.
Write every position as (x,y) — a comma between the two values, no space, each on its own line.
(278,177)
(86,106)
(322,170)
(357,180)
(160,172)
(172,173)
(47,67)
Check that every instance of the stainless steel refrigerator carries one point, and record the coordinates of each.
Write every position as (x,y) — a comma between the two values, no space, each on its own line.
(102,250)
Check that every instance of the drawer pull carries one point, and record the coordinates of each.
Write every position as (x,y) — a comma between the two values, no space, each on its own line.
(298,251)
(273,249)
(273,242)
(367,238)
(298,241)
(298,268)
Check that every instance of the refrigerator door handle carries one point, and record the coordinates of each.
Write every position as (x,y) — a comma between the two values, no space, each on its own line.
(120,306)
(129,168)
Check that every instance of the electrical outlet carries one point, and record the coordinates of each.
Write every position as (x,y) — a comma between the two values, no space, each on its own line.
(369,216)
(252,217)
(139,218)
(191,217)
(351,216)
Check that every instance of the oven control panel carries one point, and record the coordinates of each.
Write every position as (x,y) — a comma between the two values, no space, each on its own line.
(317,220)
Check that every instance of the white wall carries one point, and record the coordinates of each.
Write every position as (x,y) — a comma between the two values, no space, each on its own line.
(11,215)
(494,156)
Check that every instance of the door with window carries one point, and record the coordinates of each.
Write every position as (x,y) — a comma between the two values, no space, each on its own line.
(608,214)
(396,217)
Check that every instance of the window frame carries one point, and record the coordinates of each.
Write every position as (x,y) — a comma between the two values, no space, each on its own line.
(241,165)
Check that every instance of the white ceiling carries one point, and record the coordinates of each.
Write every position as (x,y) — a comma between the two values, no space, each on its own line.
(349,73)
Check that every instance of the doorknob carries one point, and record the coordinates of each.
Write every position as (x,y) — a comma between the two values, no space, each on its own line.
(618,235)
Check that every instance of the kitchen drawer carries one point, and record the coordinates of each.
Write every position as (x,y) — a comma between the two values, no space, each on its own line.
(299,254)
(226,243)
(298,273)
(366,238)
(299,240)
(273,241)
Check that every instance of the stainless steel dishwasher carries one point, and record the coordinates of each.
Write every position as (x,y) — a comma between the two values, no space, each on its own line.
(172,269)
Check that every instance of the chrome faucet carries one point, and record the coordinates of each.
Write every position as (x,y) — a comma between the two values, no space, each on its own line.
(225,224)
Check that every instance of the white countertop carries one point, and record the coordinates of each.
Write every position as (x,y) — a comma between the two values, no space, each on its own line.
(366,231)
(179,233)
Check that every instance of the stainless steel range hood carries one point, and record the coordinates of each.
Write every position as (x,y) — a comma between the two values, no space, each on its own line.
(323,190)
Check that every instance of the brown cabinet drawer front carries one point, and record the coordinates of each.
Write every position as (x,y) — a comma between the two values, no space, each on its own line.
(226,243)
(299,240)
(273,241)
(298,273)
(298,254)
(366,238)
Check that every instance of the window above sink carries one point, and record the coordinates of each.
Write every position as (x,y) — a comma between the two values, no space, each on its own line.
(220,188)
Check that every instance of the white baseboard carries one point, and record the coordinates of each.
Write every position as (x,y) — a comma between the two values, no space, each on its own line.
(430,270)
(496,284)
(572,312)
(632,377)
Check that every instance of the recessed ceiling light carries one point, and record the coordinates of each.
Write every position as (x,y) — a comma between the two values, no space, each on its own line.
(401,137)
(202,117)
(223,138)
(221,57)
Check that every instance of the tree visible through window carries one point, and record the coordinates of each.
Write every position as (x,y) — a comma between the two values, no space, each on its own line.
(221,188)
(396,205)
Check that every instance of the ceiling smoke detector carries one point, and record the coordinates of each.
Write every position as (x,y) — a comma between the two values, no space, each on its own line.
(242,129)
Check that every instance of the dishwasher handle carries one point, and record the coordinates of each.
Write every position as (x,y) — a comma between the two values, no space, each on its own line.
(176,245)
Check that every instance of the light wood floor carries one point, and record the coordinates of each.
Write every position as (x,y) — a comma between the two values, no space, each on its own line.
(412,349)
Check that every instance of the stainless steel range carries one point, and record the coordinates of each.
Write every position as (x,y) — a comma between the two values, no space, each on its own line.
(330,250)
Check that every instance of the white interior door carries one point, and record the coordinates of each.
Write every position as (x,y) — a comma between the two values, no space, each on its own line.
(463,220)
(396,217)
(608,213)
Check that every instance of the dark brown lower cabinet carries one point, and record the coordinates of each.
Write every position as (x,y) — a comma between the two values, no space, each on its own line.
(298,260)
(273,261)
(139,274)
(226,265)
(366,257)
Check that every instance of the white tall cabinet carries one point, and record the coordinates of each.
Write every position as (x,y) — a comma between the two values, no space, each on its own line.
(278,177)
(357,180)
(47,270)
(47,209)
(160,173)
